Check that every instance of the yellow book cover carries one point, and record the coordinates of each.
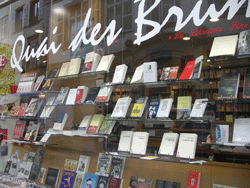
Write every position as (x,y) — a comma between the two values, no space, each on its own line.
(74,66)
(136,111)
(95,123)
(184,107)
(64,69)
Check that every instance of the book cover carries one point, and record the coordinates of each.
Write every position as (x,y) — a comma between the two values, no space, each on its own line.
(71,96)
(150,72)
(90,99)
(114,182)
(121,107)
(79,179)
(83,164)
(117,167)
(25,87)
(33,107)
(102,181)
(197,67)
(70,165)
(81,94)
(173,73)
(50,80)
(29,76)
(229,84)
(60,121)
(165,73)
(188,70)
(104,94)
(153,108)
(91,62)
(103,165)
(194,179)
(184,107)
(105,62)
(61,96)
(168,143)
(246,85)
(140,182)
(67,179)
(90,181)
(139,143)
(41,175)
(199,108)
(74,66)
(159,184)
(107,125)
(22,109)
(222,133)
(85,123)
(95,123)
(19,129)
(48,108)
(7,166)
(38,83)
(244,44)
(170,184)
(120,73)
(138,75)
(64,69)
(32,131)
(187,145)
(125,141)
(164,108)
(14,111)
(52,176)
(139,106)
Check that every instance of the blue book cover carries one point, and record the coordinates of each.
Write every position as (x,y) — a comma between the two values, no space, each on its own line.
(90,180)
(153,108)
(67,180)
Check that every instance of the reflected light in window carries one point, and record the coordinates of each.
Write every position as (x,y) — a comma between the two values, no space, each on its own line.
(214,20)
(186,38)
(39,31)
(58,10)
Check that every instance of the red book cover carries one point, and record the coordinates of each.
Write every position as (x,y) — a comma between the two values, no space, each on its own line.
(19,128)
(173,73)
(79,95)
(92,129)
(4,132)
(194,179)
(188,70)
(114,182)
(22,109)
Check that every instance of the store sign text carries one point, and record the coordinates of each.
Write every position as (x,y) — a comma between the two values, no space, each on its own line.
(232,6)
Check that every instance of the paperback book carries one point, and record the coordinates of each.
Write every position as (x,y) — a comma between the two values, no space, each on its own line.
(67,179)
(199,108)
(33,107)
(25,87)
(222,133)
(84,124)
(168,143)
(125,141)
(117,167)
(95,123)
(197,67)
(27,77)
(104,94)
(139,106)
(187,145)
(93,92)
(115,182)
(61,96)
(105,62)
(50,80)
(70,165)
(48,108)
(150,72)
(184,107)
(52,176)
(81,94)
(246,86)
(153,108)
(139,143)
(107,125)
(38,83)
(41,175)
(22,109)
(71,97)
(83,164)
(60,122)
(32,131)
(79,179)
(173,73)
(90,180)
(243,44)
(188,71)
(194,179)
(140,182)
(74,67)
(103,181)
(19,129)
(14,111)
(121,107)
(64,69)
(91,62)
(165,73)
(138,75)
(103,165)
(164,108)
(120,73)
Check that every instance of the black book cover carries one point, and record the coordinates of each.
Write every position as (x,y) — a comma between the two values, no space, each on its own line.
(153,108)
(36,166)
(117,167)
(159,184)
(50,79)
(246,87)
(52,176)
(90,99)
(229,84)
(7,167)
(102,181)
(170,184)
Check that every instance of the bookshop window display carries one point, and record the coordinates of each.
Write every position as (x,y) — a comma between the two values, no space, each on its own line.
(123,93)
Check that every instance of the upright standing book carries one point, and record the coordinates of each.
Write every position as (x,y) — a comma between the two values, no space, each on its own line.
(184,107)
(103,165)
(188,71)
(48,108)
(139,106)
(71,97)
(164,108)
(199,108)
(19,129)
(168,143)
(22,109)
(173,73)
(107,125)
(38,83)
(91,62)
(150,71)
(60,121)
(153,108)
(121,107)
(222,133)
(81,94)
(197,67)
(139,143)
(64,69)
(95,123)
(61,96)
(246,86)
(117,167)
(82,129)
(90,180)
(138,75)
(50,79)
(105,62)
(165,73)
(244,43)
(93,92)
(194,179)
(187,145)
(120,73)
(67,180)
(83,164)
(104,94)
(52,176)
(125,141)
(32,131)
(74,66)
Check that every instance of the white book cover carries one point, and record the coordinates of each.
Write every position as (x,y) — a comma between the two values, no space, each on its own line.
(164,108)
(121,107)
(22,167)
(25,87)
(96,61)
(138,75)
(82,129)
(48,108)
(168,143)
(139,143)
(71,97)
(83,164)
(91,62)
(60,122)
(39,81)
(199,108)
(105,62)
(222,133)
(29,76)
(187,145)
(120,74)
(150,71)
(241,130)
(104,94)
(45,138)
(197,67)
(125,141)
(64,69)
(225,45)
(74,66)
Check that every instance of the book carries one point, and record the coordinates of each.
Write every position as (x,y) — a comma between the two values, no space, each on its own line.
(222,186)
(138,75)
(139,143)
(70,165)
(243,43)
(36,166)
(7,166)
(74,66)
(21,169)
(183,107)
(222,133)
(83,164)
(165,73)
(150,72)
(50,79)
(60,121)
(41,175)
(81,94)
(164,108)
(121,107)
(188,70)
(166,184)
(173,73)
(139,106)
(61,96)
(103,165)
(32,131)
(90,180)
(120,73)
(102,181)
(125,141)
(153,108)
(199,108)
(224,45)
(168,143)
(25,87)
(22,109)
(19,129)
(229,84)
(95,123)
(115,182)
(194,179)
(33,107)
(14,167)
(117,167)
(38,83)
(14,111)
(241,130)
(52,176)
(187,145)
(246,85)
(140,182)
(91,62)
(107,125)
(197,67)
(71,97)
(85,124)
(67,179)
(64,69)
(48,108)
(27,77)
(31,156)
(93,92)
(79,180)
(104,94)
(105,62)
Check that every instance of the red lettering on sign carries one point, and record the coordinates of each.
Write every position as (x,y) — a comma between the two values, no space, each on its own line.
(236,25)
